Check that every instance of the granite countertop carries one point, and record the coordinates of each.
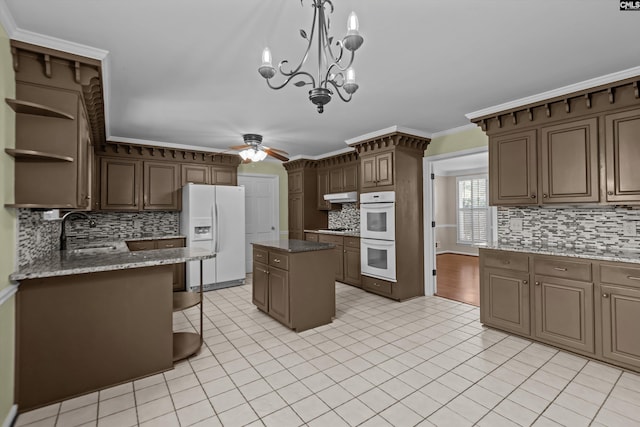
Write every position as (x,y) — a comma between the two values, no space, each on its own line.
(117,257)
(293,245)
(348,233)
(595,253)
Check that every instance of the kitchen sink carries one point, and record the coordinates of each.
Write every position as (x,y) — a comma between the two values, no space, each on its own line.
(94,250)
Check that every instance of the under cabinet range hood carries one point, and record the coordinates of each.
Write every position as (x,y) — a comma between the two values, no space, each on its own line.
(349,197)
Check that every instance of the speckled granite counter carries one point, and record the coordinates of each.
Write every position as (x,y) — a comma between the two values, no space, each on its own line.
(74,242)
(294,246)
(118,257)
(600,254)
(349,233)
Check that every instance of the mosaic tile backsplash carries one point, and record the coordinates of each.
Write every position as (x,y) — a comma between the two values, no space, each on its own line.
(347,217)
(38,238)
(589,228)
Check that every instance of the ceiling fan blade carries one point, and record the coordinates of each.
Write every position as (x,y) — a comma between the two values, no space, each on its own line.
(277,150)
(275,155)
(246,161)
(239,147)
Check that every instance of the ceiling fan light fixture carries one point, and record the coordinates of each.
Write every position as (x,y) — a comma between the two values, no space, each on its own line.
(333,64)
(253,154)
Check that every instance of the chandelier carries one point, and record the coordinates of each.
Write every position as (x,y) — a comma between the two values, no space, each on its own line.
(334,71)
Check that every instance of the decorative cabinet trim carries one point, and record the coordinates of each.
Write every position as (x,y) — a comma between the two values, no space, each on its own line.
(151,152)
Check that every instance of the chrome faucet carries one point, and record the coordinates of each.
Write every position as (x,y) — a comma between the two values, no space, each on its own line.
(63,234)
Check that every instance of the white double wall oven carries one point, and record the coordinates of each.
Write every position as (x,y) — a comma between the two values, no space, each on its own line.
(378,235)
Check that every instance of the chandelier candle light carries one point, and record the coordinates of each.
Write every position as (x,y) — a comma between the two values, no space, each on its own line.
(332,70)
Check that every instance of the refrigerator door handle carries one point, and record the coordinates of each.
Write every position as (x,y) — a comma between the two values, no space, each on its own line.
(216,245)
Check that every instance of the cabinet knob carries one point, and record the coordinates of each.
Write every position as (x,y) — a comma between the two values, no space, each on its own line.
(537,283)
(544,196)
(610,193)
(533,196)
(605,295)
(525,282)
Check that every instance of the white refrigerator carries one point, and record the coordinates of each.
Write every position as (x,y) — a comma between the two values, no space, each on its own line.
(212,217)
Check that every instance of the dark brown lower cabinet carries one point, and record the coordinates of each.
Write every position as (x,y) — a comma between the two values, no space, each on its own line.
(295,288)
(179,271)
(564,312)
(352,266)
(504,300)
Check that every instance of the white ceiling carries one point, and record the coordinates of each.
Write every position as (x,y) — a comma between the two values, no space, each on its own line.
(186,72)
(477,162)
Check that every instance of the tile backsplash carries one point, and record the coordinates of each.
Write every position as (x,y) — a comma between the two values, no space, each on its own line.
(347,217)
(38,238)
(590,228)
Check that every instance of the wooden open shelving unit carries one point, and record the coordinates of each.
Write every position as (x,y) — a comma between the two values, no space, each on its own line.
(26,107)
(186,344)
(33,155)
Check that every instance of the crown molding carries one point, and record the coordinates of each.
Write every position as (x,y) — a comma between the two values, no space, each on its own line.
(163,144)
(387,131)
(6,19)
(565,90)
(452,131)
(59,44)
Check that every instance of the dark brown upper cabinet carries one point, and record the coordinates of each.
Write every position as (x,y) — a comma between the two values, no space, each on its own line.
(569,162)
(350,178)
(196,174)
(224,175)
(377,170)
(622,151)
(513,169)
(296,182)
(323,188)
(161,184)
(120,184)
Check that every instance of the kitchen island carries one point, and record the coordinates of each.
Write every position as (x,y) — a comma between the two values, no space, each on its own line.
(293,282)
(91,319)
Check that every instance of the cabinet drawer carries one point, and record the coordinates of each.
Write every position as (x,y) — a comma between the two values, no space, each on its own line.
(620,275)
(378,286)
(506,260)
(260,255)
(313,237)
(170,243)
(141,245)
(352,242)
(555,267)
(279,259)
(328,238)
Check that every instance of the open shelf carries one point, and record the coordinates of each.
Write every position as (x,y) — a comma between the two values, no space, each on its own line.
(26,107)
(185,344)
(32,155)
(184,300)
(36,206)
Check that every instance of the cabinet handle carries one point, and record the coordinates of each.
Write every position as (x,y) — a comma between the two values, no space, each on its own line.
(610,193)
(533,196)
(506,261)
(633,277)
(537,283)
(605,295)
(258,256)
(525,282)
(544,196)
(559,269)
(276,260)
(375,284)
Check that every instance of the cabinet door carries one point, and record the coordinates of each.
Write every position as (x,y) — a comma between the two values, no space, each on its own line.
(323,188)
(620,320)
(622,148)
(350,181)
(384,169)
(504,300)
(295,182)
(513,173)
(312,237)
(161,183)
(368,172)
(120,184)
(570,162)
(352,266)
(196,174)
(336,177)
(279,294)
(564,312)
(339,261)
(223,176)
(260,286)
(296,220)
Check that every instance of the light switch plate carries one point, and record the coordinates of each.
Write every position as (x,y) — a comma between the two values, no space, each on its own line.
(515,224)
(629,228)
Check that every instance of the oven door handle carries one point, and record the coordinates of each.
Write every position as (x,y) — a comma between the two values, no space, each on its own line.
(370,206)
(377,243)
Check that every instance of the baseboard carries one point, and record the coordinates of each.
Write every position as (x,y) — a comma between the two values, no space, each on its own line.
(10,420)
(456,252)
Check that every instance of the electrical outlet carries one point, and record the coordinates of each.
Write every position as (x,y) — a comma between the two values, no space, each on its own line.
(51,215)
(38,237)
(515,224)
(629,228)
(136,224)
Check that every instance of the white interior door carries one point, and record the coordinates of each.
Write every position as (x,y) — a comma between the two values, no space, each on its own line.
(262,214)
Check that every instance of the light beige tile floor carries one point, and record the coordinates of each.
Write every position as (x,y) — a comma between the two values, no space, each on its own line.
(426,362)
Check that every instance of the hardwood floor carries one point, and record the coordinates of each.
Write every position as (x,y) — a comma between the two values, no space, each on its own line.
(458,278)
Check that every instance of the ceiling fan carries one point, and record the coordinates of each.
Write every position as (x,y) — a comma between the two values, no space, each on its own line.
(254,151)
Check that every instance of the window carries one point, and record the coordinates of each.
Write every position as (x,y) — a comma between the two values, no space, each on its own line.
(474,213)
